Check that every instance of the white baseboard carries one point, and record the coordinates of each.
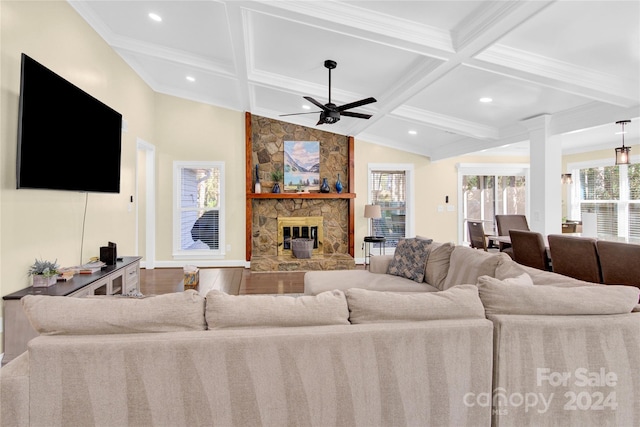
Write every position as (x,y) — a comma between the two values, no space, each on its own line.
(199,263)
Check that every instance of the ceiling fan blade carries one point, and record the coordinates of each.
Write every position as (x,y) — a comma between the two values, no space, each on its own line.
(297,114)
(316,103)
(358,115)
(356,104)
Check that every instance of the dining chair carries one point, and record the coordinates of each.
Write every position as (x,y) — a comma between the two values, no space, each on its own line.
(529,249)
(476,235)
(620,263)
(504,223)
(575,257)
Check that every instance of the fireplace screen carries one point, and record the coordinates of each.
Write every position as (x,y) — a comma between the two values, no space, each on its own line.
(309,227)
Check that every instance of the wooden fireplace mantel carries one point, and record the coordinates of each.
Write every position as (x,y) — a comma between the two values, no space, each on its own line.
(250,195)
(301,196)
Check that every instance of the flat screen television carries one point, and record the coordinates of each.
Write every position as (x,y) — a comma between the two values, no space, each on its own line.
(67,139)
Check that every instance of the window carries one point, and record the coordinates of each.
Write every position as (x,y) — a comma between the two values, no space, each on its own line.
(611,192)
(487,190)
(389,186)
(198,209)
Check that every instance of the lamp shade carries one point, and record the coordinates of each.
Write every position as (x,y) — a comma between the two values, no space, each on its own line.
(622,155)
(372,211)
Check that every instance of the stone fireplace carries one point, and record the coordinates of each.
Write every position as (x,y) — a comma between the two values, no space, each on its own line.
(273,219)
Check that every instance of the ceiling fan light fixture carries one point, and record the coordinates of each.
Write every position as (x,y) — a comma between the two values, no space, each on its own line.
(623,153)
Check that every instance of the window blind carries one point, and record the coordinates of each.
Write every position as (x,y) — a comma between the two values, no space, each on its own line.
(389,190)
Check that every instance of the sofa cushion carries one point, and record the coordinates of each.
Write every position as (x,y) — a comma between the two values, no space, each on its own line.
(53,315)
(503,298)
(438,264)
(410,259)
(458,302)
(467,264)
(316,282)
(251,311)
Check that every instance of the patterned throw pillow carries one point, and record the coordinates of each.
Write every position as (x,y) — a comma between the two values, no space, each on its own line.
(410,259)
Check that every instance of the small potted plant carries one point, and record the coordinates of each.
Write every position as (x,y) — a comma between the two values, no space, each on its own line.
(44,273)
(276,177)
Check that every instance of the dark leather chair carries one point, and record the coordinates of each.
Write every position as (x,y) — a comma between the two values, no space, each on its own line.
(504,223)
(575,257)
(620,263)
(529,249)
(476,235)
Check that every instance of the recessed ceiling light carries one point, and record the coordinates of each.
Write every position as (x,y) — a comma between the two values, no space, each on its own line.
(155,17)
(413,132)
(306,107)
(486,99)
(191,79)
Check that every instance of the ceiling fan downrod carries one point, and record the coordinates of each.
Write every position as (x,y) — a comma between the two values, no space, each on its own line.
(330,65)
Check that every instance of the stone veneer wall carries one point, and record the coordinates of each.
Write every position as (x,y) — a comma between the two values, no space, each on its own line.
(268,138)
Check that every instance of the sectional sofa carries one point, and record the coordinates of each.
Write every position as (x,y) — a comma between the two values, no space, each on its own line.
(479,350)
(564,352)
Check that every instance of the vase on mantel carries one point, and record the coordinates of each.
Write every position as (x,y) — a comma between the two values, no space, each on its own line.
(324,188)
(339,185)
(258,188)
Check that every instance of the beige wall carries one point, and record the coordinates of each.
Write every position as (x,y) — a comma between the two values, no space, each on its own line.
(191,131)
(48,224)
(433,182)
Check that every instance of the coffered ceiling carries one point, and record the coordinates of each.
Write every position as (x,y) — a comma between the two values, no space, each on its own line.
(426,62)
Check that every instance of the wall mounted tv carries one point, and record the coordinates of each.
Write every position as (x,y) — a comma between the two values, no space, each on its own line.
(67,139)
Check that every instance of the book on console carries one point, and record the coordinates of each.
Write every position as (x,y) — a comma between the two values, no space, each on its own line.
(91,267)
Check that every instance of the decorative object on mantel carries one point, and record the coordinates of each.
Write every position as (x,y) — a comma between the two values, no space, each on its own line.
(44,273)
(276,176)
(324,188)
(301,165)
(258,189)
(565,178)
(339,185)
(622,153)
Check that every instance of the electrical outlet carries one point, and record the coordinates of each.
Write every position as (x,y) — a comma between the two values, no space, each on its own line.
(440,208)
(229,248)
(451,208)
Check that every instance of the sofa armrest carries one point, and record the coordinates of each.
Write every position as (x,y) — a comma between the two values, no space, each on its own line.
(14,392)
(380,263)
(569,361)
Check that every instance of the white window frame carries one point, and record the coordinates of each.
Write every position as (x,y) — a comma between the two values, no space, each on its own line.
(177,185)
(408,169)
(623,202)
(489,169)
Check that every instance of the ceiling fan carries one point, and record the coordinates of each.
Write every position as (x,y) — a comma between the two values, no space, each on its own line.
(330,113)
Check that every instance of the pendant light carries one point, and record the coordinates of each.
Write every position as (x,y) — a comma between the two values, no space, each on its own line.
(622,153)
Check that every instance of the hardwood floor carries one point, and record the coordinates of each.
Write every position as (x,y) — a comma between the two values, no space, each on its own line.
(166,280)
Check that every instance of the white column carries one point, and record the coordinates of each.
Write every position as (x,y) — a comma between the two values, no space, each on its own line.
(545,189)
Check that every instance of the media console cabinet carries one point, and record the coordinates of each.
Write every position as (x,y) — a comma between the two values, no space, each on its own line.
(118,279)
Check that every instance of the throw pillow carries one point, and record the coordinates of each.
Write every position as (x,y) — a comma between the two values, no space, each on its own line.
(467,264)
(410,259)
(438,264)
(503,298)
(459,302)
(522,280)
(251,311)
(52,315)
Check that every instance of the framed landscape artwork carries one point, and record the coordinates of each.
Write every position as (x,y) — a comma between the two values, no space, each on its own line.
(301,165)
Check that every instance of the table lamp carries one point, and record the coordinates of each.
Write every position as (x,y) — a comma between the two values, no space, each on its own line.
(372,212)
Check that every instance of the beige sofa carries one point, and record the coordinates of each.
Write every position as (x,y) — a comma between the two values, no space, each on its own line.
(566,352)
(338,358)
(489,346)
